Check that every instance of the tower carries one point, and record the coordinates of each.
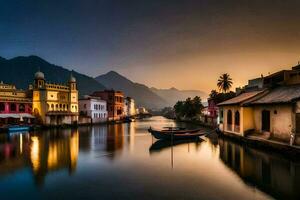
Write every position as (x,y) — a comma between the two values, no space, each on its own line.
(39,80)
(39,96)
(73,94)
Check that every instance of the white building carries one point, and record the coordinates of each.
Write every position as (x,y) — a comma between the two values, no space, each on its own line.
(129,107)
(93,107)
(142,110)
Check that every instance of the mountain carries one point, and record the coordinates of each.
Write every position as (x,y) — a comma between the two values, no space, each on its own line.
(141,93)
(173,95)
(20,72)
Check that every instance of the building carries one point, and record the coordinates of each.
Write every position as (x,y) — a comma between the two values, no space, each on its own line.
(234,116)
(115,103)
(209,113)
(15,105)
(94,108)
(272,112)
(55,104)
(129,107)
(142,110)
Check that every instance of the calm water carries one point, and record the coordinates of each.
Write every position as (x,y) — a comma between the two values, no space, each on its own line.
(123,162)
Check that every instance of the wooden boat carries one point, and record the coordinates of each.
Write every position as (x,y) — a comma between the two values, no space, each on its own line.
(175,135)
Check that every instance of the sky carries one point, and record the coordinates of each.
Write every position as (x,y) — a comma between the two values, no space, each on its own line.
(185,44)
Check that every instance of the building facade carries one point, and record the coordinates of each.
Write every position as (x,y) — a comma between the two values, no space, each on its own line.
(94,108)
(15,105)
(55,104)
(129,107)
(272,112)
(115,103)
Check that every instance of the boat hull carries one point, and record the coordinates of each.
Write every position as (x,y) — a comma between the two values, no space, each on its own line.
(166,135)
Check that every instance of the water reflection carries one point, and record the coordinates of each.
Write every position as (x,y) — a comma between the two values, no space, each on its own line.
(271,173)
(123,153)
(160,145)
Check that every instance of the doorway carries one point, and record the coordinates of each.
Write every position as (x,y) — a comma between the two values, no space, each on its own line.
(265,120)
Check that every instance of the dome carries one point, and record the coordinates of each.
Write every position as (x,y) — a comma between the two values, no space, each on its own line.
(39,75)
(72,79)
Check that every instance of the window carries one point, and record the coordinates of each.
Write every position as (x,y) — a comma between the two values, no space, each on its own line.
(84,106)
(21,108)
(13,107)
(2,107)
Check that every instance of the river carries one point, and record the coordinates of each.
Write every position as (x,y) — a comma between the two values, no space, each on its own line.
(123,161)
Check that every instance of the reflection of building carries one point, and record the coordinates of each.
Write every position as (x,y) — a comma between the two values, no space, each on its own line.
(13,153)
(93,107)
(44,153)
(115,103)
(55,104)
(129,107)
(15,105)
(115,137)
(53,153)
(270,173)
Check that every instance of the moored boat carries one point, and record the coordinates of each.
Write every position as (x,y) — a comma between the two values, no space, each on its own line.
(15,128)
(175,134)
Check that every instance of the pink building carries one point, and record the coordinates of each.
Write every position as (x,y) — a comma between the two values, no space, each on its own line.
(15,105)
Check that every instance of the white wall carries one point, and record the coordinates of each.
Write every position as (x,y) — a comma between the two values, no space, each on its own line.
(281,120)
(94,108)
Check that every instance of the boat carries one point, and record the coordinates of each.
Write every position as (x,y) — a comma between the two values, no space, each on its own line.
(175,134)
(15,128)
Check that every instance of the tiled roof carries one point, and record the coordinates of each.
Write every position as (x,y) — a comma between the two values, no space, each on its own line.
(282,94)
(240,98)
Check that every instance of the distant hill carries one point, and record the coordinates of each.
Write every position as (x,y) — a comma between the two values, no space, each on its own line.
(141,93)
(20,72)
(173,95)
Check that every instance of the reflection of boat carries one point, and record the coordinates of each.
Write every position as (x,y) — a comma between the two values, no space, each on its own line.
(163,144)
(175,134)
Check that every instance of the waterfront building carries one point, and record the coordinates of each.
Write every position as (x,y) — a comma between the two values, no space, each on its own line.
(115,103)
(271,112)
(209,113)
(142,110)
(129,107)
(55,104)
(15,105)
(93,107)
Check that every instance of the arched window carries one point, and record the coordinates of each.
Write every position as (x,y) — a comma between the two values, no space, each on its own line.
(229,120)
(229,117)
(52,106)
(237,118)
(13,107)
(21,108)
(2,107)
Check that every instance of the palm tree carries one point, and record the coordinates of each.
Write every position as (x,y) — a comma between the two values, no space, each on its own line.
(224,82)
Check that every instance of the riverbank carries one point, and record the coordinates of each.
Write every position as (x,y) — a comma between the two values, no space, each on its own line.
(254,141)
(292,151)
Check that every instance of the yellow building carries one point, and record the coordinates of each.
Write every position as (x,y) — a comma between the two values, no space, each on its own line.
(55,104)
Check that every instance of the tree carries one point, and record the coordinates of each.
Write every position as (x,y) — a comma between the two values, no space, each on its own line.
(220,97)
(179,109)
(224,83)
(189,108)
(213,94)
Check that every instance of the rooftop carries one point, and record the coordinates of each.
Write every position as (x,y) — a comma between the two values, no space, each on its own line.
(240,98)
(282,94)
